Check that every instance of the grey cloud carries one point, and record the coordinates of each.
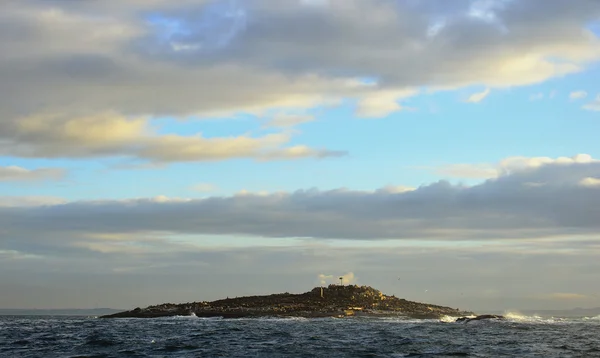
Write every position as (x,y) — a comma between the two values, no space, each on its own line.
(73,60)
(18,174)
(503,208)
(20,201)
(392,43)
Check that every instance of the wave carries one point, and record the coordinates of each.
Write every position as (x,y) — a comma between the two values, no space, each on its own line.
(518,317)
(450,319)
(510,316)
(595,318)
(193,316)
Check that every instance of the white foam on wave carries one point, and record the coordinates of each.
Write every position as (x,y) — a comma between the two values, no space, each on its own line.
(193,316)
(595,318)
(518,317)
(451,319)
(447,319)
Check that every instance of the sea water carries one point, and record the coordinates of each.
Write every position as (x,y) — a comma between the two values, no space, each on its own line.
(518,336)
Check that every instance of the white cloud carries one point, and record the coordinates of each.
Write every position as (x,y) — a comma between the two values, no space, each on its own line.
(508,166)
(593,105)
(474,171)
(166,199)
(395,189)
(381,104)
(511,164)
(575,95)
(325,279)
(590,182)
(479,96)
(536,97)
(347,279)
(19,174)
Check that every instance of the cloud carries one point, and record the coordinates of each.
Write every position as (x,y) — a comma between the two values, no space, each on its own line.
(31,201)
(395,189)
(381,104)
(204,187)
(347,279)
(110,134)
(563,296)
(507,206)
(19,174)
(590,182)
(472,171)
(145,60)
(324,279)
(594,105)
(536,97)
(508,166)
(479,96)
(577,95)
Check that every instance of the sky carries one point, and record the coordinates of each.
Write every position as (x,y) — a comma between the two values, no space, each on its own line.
(441,151)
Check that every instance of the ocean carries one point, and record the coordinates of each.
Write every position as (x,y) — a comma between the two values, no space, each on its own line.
(77,336)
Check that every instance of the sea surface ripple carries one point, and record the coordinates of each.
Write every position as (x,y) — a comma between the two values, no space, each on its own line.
(37,336)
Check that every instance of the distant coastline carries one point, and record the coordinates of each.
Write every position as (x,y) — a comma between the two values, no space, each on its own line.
(57,312)
(330,301)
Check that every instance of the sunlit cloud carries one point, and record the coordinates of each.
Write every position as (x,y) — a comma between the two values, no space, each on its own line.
(577,95)
(479,96)
(15,173)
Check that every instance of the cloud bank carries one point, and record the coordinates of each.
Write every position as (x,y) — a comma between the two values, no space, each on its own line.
(531,198)
(89,79)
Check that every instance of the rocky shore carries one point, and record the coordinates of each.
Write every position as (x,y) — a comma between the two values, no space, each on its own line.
(331,301)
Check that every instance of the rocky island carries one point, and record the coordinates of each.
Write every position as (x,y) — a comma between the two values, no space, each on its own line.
(331,301)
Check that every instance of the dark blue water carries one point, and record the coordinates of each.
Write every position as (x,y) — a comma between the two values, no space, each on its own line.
(355,337)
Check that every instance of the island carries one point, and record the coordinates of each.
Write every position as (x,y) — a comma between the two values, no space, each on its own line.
(331,301)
